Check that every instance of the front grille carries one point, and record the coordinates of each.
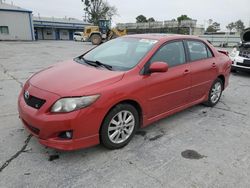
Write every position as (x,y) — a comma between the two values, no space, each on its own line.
(34,102)
(33,129)
(244,64)
(245,54)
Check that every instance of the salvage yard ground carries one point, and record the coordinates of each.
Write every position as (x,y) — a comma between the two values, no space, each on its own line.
(199,147)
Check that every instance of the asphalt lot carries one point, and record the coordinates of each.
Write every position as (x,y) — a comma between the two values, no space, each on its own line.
(154,158)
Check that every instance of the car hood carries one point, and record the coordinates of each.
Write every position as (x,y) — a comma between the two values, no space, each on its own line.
(74,79)
(245,35)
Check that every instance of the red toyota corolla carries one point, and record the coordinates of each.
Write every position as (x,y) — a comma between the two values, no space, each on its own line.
(106,94)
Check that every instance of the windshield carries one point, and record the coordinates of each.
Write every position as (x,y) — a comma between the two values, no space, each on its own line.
(122,53)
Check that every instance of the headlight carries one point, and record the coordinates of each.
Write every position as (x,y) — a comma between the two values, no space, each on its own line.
(234,52)
(74,103)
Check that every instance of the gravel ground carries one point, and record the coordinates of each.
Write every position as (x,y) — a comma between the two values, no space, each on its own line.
(198,147)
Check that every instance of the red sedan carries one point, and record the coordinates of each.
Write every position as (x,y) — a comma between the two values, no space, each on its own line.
(106,94)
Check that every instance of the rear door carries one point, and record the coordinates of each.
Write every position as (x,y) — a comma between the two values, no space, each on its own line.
(170,90)
(203,68)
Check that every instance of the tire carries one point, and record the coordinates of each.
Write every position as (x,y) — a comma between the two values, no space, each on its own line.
(233,70)
(115,133)
(96,39)
(215,93)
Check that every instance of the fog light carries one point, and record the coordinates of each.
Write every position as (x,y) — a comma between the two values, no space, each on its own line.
(66,135)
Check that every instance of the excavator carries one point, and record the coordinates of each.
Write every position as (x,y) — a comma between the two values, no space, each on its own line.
(103,32)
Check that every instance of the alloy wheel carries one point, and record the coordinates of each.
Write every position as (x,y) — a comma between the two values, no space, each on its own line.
(121,127)
(216,92)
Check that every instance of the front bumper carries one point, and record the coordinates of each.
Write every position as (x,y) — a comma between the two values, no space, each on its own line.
(238,68)
(47,126)
(241,63)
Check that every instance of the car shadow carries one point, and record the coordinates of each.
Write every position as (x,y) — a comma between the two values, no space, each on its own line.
(241,74)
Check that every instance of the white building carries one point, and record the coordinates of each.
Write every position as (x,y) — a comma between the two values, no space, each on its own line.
(15,23)
(50,28)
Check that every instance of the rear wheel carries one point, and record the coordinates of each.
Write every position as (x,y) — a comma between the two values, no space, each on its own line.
(233,70)
(96,39)
(215,93)
(119,126)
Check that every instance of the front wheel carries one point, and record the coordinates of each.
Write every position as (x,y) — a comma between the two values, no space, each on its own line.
(119,126)
(215,93)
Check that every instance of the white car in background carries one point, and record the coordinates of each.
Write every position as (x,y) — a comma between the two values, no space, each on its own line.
(78,36)
(240,55)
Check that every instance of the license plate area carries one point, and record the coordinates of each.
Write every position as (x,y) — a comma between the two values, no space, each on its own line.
(247,62)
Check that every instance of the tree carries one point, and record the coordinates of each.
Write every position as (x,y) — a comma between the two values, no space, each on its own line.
(230,26)
(98,9)
(239,26)
(214,27)
(141,19)
(183,17)
(151,19)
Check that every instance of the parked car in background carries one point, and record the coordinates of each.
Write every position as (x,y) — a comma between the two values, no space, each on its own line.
(241,53)
(106,94)
(78,36)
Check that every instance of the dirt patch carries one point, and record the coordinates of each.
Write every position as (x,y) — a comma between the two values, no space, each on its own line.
(191,154)
(156,137)
(141,133)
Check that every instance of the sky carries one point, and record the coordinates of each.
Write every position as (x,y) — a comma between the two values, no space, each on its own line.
(222,11)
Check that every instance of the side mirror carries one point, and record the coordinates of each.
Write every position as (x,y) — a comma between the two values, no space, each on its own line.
(158,67)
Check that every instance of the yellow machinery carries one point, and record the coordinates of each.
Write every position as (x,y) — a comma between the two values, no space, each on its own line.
(103,32)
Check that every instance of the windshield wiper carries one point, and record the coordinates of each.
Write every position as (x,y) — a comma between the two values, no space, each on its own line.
(97,64)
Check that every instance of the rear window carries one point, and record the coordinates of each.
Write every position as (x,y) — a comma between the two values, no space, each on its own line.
(198,50)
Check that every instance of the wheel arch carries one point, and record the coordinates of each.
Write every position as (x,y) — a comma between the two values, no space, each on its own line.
(222,78)
(95,33)
(132,102)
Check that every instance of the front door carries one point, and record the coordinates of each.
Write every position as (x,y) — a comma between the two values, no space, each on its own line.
(170,90)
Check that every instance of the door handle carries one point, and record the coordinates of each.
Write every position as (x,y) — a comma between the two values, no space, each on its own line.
(214,65)
(186,72)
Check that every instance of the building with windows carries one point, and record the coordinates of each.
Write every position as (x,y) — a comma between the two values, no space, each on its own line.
(18,24)
(57,28)
(168,26)
(15,23)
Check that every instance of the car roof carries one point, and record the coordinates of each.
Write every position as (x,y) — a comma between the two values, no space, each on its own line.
(163,36)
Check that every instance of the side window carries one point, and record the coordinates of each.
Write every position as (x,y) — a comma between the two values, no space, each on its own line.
(198,50)
(209,53)
(172,53)
(4,30)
